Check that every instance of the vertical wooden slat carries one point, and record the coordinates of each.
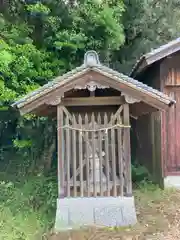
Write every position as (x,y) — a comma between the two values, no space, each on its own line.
(127,150)
(87,156)
(113,162)
(120,160)
(74,155)
(60,152)
(93,155)
(68,149)
(124,157)
(80,156)
(107,154)
(100,155)
(153,143)
(118,112)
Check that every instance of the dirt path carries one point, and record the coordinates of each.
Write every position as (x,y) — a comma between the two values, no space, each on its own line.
(158,218)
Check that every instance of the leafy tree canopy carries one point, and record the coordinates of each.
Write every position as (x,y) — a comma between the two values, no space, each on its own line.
(147,25)
(40,40)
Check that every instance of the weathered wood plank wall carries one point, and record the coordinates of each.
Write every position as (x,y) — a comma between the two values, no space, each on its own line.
(147,130)
(170,84)
(162,155)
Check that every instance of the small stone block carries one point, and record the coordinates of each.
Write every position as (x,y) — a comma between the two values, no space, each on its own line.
(109,216)
(81,216)
(129,215)
(62,216)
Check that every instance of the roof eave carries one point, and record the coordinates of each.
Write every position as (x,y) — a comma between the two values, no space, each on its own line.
(146,93)
(162,99)
(46,88)
(148,59)
(139,66)
(156,56)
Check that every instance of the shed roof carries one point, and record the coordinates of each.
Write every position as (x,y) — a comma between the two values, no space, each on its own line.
(91,63)
(155,55)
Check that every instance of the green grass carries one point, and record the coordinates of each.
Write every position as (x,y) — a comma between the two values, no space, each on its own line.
(27,208)
(22,225)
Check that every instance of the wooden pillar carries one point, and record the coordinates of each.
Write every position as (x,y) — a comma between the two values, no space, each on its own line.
(127,149)
(60,154)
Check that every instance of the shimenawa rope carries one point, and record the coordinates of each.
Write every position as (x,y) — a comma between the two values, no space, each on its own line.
(94,130)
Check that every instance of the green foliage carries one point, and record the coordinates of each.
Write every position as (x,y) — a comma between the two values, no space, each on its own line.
(22,143)
(105,19)
(38,41)
(6,93)
(147,25)
(21,226)
(139,173)
(32,193)
(38,8)
(27,207)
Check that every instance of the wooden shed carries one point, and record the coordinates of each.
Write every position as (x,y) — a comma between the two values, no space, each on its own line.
(94,105)
(161,69)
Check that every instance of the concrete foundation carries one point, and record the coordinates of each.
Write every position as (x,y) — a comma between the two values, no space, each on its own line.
(172,181)
(73,213)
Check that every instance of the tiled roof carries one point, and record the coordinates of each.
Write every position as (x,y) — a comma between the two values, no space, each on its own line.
(139,85)
(156,55)
(95,65)
(50,85)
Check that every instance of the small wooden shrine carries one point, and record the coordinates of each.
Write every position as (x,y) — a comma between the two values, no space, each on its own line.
(93,105)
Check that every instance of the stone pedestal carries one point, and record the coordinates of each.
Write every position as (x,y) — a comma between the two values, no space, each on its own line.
(73,213)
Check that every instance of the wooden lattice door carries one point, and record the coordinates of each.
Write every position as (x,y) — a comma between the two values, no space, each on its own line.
(93,153)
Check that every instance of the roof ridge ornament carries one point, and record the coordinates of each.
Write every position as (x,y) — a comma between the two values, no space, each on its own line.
(91,59)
